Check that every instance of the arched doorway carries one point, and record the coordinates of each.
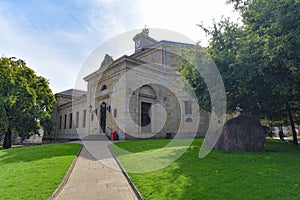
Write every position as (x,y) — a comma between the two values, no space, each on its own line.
(103,117)
(145,117)
(147,96)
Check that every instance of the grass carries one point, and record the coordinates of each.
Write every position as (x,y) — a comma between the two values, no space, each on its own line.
(291,137)
(34,172)
(273,174)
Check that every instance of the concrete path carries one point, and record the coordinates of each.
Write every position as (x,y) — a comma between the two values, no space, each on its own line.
(96,174)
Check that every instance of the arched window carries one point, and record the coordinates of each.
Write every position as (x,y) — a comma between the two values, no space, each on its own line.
(147,91)
(189,120)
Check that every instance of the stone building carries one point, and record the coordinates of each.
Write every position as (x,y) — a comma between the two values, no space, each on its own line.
(139,96)
(69,114)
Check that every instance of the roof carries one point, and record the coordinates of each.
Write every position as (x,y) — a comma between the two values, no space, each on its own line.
(72,93)
(173,42)
(161,42)
(132,56)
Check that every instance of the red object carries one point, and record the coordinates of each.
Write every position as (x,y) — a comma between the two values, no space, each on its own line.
(113,135)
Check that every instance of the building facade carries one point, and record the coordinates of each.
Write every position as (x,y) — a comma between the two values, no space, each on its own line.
(138,96)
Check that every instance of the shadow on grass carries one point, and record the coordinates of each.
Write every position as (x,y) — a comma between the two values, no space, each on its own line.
(273,174)
(238,175)
(33,153)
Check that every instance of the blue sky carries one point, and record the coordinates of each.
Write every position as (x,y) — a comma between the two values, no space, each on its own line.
(55,37)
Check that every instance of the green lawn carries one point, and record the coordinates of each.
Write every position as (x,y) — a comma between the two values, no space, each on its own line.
(291,137)
(274,174)
(34,172)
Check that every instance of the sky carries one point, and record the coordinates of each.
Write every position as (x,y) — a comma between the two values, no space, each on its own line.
(55,37)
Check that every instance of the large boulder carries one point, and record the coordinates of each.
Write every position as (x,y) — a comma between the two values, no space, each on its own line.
(244,133)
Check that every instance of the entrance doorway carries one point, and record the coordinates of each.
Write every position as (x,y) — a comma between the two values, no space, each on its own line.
(103,117)
(145,117)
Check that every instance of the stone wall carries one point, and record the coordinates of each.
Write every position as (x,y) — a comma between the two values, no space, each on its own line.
(154,68)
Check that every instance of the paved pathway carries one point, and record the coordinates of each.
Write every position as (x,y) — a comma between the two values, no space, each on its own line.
(96,174)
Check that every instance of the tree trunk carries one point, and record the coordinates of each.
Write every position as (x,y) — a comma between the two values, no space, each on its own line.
(291,118)
(7,139)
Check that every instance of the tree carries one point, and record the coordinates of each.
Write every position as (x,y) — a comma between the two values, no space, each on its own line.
(25,102)
(259,60)
(271,47)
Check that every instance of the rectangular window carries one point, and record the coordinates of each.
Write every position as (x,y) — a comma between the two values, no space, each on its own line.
(60,122)
(65,122)
(92,117)
(188,107)
(96,112)
(84,118)
(71,119)
(77,119)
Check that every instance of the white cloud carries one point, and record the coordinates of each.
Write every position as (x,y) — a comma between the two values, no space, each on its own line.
(109,18)
(54,53)
(56,38)
(182,16)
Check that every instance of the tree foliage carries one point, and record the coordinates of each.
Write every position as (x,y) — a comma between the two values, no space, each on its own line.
(259,59)
(25,102)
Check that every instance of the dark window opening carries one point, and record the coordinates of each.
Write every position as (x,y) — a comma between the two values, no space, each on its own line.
(188,107)
(60,121)
(115,113)
(104,87)
(71,119)
(77,118)
(65,122)
(84,118)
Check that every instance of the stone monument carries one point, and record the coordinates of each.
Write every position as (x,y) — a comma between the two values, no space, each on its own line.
(244,133)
